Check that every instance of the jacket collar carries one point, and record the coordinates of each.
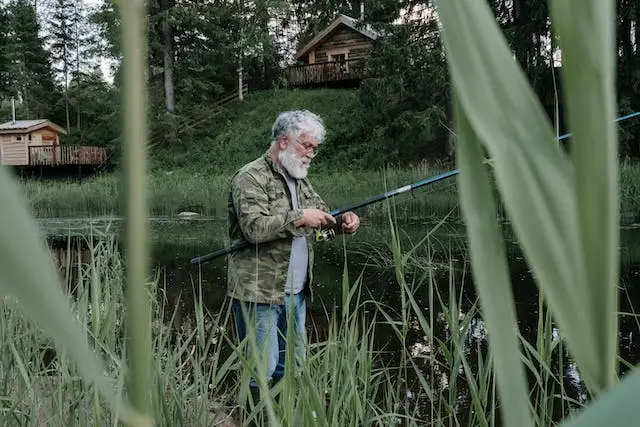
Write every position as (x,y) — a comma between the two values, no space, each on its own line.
(274,167)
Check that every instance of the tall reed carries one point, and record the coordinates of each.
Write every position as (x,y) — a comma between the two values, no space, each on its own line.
(135,128)
(563,206)
(369,362)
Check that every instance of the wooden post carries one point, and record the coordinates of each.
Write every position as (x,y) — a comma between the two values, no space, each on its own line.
(240,94)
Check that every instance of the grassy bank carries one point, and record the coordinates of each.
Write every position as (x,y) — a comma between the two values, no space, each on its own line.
(176,191)
(244,131)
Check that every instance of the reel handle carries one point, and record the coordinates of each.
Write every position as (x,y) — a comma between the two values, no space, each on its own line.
(324,235)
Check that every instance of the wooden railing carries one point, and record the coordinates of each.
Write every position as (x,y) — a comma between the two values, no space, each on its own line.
(191,123)
(232,97)
(304,75)
(66,155)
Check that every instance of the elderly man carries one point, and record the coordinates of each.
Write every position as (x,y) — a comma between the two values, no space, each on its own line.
(273,206)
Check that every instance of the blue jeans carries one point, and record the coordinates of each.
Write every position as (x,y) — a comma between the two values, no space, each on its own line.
(270,323)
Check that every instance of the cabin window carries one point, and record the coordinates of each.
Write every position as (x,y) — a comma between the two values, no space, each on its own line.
(18,138)
(341,59)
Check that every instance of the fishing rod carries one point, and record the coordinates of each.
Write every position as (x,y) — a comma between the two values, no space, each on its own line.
(384,196)
(337,212)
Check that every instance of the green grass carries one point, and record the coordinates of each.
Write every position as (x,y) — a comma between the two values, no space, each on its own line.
(173,192)
(629,187)
(244,132)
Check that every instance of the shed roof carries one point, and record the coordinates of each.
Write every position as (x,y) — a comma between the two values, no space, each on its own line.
(340,20)
(27,126)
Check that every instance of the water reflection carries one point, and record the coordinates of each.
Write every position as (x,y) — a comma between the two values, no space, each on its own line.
(439,271)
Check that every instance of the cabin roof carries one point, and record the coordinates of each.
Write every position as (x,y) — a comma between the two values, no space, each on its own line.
(340,20)
(28,126)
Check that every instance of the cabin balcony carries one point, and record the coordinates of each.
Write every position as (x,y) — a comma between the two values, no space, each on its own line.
(350,70)
(60,155)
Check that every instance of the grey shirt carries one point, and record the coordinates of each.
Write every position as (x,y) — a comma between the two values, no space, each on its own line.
(298,263)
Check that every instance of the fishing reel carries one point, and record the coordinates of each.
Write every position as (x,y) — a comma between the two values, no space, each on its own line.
(325,235)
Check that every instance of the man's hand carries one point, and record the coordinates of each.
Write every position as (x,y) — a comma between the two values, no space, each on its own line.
(350,223)
(315,218)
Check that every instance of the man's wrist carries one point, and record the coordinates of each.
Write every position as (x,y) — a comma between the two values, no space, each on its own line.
(297,215)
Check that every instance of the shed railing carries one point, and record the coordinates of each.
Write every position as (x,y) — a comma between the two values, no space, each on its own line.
(302,75)
(66,155)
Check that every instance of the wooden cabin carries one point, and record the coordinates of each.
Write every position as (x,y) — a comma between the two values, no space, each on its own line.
(336,54)
(37,143)
(17,137)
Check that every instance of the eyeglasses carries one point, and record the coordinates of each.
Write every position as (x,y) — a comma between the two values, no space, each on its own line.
(308,147)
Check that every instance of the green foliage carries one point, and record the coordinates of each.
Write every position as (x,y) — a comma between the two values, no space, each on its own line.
(313,16)
(4,62)
(106,18)
(244,131)
(29,65)
(72,51)
(405,99)
(203,50)
(98,108)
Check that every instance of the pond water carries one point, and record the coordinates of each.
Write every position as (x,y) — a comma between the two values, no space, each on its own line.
(368,253)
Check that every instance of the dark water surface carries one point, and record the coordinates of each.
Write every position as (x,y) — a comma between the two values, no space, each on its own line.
(368,253)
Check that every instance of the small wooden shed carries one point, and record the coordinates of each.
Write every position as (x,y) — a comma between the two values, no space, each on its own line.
(337,53)
(17,138)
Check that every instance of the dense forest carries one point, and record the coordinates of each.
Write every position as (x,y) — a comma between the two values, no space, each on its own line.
(53,54)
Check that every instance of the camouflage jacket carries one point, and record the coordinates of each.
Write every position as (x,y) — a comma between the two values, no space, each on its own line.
(260,212)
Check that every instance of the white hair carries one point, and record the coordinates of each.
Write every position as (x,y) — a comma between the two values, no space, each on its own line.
(295,123)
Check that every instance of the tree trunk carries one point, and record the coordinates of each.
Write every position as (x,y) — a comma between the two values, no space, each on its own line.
(240,97)
(77,18)
(66,92)
(262,18)
(25,101)
(169,89)
(240,44)
(627,48)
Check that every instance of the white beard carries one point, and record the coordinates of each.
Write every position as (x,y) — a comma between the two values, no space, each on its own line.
(296,167)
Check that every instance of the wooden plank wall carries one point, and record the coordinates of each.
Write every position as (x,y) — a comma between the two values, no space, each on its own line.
(12,151)
(344,40)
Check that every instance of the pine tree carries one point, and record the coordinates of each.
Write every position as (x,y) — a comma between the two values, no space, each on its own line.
(62,52)
(29,65)
(73,48)
(4,65)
